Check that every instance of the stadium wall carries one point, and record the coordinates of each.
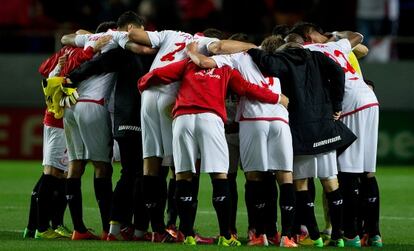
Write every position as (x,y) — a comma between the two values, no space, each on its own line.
(21,108)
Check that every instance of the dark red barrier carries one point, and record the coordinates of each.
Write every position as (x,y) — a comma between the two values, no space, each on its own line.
(21,133)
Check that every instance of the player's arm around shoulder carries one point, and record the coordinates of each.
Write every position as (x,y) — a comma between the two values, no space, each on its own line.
(198,58)
(68,39)
(354,38)
(360,51)
(139,36)
(140,49)
(229,46)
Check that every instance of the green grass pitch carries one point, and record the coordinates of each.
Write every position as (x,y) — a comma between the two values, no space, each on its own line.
(17,178)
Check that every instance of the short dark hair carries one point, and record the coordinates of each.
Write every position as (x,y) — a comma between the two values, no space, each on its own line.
(304,28)
(293,37)
(130,17)
(104,26)
(242,37)
(272,43)
(212,32)
(281,30)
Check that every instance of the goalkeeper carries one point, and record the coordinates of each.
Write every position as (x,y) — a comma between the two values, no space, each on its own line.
(48,201)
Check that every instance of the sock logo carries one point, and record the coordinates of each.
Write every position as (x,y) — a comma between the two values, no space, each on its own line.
(287,208)
(337,202)
(310,204)
(260,206)
(372,199)
(69,197)
(356,191)
(150,205)
(189,198)
(219,198)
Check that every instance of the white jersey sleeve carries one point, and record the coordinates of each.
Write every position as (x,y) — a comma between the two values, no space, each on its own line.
(222,60)
(81,40)
(157,37)
(203,43)
(119,37)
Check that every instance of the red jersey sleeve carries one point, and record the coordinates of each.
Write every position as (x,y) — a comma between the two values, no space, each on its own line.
(76,58)
(244,88)
(163,75)
(49,64)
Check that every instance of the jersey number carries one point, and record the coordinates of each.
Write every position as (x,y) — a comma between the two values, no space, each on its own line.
(338,55)
(268,84)
(170,56)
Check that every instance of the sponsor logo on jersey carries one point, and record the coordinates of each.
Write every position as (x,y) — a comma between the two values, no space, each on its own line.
(208,73)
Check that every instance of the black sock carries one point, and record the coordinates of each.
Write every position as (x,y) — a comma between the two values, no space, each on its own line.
(153,202)
(60,204)
(349,187)
(335,204)
(32,222)
(311,188)
(249,207)
(130,149)
(164,187)
(74,197)
(234,198)
(221,203)
(305,207)
(195,183)
(44,202)
(103,195)
(256,196)
(184,200)
(122,208)
(171,203)
(141,217)
(372,205)
(287,203)
(271,204)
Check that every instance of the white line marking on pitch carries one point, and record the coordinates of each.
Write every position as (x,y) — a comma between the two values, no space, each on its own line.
(385,217)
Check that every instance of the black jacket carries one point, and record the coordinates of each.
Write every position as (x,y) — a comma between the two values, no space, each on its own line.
(314,85)
(129,68)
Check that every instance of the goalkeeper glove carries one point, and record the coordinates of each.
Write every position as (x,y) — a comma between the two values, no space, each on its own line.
(53,95)
(70,96)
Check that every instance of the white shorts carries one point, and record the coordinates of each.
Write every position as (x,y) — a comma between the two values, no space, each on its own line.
(156,122)
(321,166)
(266,146)
(233,144)
(361,156)
(200,135)
(54,148)
(88,132)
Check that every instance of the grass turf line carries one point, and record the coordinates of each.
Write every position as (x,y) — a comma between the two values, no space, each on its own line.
(17,178)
